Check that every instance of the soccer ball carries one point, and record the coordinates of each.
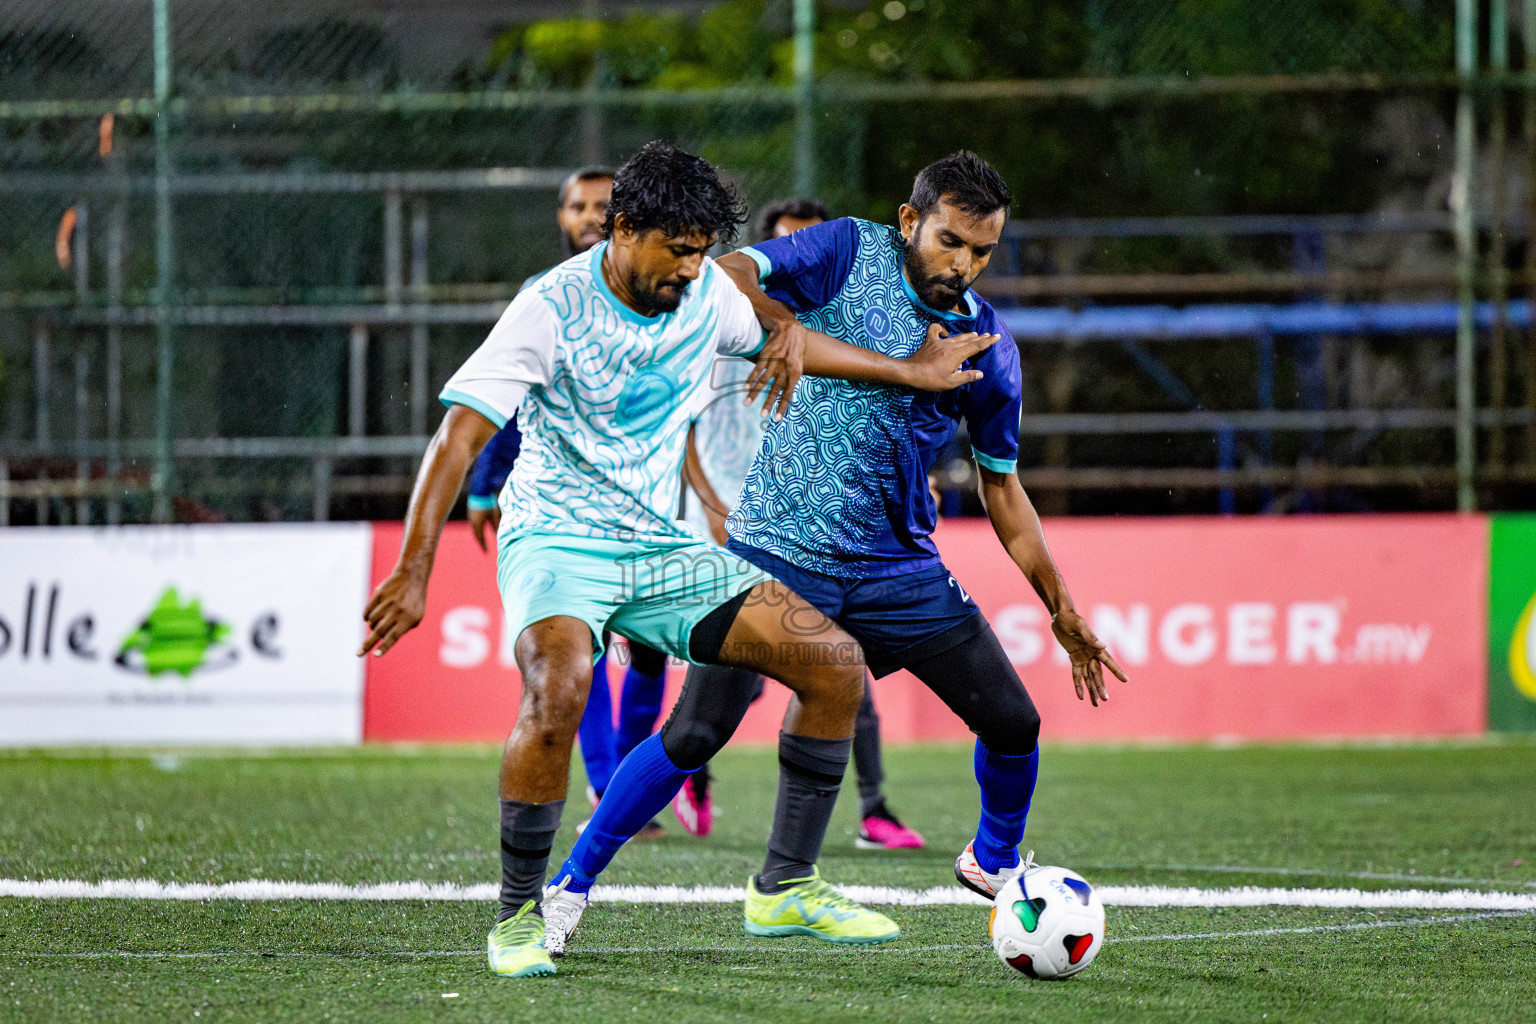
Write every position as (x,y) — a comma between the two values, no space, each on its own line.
(1047,923)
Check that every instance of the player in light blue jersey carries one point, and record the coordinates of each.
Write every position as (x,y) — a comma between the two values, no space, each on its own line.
(583,207)
(605,362)
(837,503)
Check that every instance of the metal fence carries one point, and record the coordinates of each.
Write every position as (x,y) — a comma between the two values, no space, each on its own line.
(241,248)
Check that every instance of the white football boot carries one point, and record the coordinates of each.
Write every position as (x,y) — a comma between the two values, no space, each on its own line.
(562,913)
(986,883)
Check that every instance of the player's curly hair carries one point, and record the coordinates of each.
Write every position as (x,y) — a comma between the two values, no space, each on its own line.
(665,188)
(965,181)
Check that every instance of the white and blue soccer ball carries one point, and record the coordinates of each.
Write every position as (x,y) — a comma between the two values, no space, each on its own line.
(1047,922)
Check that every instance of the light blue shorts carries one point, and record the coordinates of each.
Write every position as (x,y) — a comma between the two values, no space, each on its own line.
(653,592)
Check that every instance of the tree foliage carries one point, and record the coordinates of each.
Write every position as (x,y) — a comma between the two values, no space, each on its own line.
(1212,155)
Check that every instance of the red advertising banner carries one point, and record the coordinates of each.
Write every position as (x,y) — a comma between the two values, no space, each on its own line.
(452,677)
(1229,628)
(1254,628)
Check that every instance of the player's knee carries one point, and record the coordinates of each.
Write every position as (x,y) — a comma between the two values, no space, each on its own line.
(554,696)
(1011,731)
(690,744)
(843,686)
(707,713)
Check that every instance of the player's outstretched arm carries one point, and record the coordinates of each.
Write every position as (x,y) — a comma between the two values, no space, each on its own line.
(793,349)
(935,366)
(400,601)
(1018,527)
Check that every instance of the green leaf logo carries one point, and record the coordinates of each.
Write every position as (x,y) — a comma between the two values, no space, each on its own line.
(176,637)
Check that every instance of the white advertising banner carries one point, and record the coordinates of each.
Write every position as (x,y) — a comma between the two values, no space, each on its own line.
(207,634)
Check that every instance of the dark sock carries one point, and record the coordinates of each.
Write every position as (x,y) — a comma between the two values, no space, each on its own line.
(866,756)
(527,834)
(810,773)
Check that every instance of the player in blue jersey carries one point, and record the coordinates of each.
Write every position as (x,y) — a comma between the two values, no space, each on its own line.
(837,505)
(605,362)
(583,207)
(727,436)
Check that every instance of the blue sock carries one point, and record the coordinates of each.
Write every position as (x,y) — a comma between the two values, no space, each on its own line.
(598,748)
(644,784)
(1007,784)
(639,707)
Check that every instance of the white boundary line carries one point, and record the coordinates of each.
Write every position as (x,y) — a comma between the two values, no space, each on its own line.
(1358,926)
(758,950)
(1252,896)
(1113,895)
(1243,869)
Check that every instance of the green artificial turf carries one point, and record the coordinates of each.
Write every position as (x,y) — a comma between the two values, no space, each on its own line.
(1372,817)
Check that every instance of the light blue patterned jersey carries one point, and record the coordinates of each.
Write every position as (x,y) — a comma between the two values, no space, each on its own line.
(727,435)
(840,485)
(603,396)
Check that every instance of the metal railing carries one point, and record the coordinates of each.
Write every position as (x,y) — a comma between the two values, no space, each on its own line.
(406,298)
(420,306)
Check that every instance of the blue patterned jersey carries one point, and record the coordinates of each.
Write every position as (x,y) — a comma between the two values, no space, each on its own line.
(840,485)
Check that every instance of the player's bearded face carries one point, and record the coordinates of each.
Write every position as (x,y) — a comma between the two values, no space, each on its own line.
(583,211)
(663,267)
(947,250)
(937,285)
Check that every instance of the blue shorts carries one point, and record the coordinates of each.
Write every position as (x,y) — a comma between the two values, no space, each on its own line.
(898,620)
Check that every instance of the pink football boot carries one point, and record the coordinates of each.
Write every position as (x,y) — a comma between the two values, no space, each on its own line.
(694,810)
(882,830)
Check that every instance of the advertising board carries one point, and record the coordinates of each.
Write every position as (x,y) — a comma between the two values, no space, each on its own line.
(1252,628)
(1512,624)
(206,634)
(454,676)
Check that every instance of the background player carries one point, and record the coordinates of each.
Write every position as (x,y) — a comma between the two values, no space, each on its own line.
(787,215)
(837,503)
(726,437)
(605,360)
(582,210)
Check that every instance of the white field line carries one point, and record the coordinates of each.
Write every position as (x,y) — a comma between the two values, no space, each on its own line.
(758,950)
(1113,895)
(1252,896)
(428,953)
(1357,926)
(1243,869)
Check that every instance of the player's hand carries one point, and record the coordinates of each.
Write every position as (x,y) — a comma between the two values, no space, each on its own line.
(779,367)
(394,610)
(1089,655)
(935,366)
(479,518)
